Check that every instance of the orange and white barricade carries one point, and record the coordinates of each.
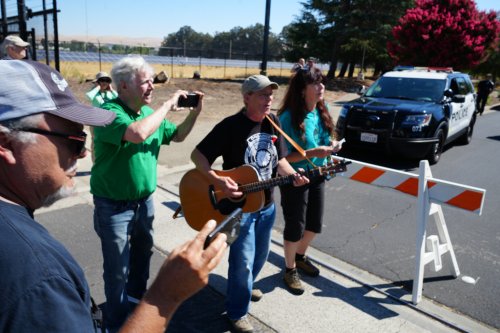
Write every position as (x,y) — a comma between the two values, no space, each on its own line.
(431,193)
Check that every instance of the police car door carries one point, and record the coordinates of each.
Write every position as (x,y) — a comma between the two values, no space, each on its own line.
(459,117)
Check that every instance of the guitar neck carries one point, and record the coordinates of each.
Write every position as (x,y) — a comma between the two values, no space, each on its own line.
(278,181)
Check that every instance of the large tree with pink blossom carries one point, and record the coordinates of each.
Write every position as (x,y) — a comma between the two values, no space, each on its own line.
(444,33)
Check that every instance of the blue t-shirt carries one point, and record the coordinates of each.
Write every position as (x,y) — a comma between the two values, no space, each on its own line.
(315,134)
(43,289)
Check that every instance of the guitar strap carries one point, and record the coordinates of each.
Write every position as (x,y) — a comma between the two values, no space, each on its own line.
(289,139)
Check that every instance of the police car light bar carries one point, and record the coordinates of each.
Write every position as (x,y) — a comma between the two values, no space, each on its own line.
(428,69)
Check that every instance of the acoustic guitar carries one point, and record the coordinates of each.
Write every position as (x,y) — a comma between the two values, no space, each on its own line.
(202,201)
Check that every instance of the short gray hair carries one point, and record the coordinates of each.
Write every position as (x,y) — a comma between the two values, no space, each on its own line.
(9,127)
(125,69)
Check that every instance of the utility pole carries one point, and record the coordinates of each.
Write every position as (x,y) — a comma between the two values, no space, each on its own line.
(56,36)
(5,29)
(263,69)
(21,11)
(99,52)
(45,34)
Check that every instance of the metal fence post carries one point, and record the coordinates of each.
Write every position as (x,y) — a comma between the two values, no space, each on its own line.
(171,63)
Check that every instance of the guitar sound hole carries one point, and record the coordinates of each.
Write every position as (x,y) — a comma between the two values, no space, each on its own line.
(228,205)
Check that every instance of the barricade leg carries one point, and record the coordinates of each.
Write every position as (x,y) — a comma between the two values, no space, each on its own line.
(444,238)
(437,247)
(423,211)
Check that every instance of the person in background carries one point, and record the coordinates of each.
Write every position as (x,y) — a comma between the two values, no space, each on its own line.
(304,116)
(14,48)
(102,92)
(311,62)
(39,149)
(298,65)
(247,138)
(484,89)
(123,179)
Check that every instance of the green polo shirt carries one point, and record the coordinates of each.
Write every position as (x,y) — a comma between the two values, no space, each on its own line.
(124,170)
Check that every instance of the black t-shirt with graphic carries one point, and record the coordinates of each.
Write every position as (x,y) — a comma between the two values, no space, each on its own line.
(240,140)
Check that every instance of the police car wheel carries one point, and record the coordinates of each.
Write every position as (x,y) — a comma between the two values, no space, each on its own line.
(466,138)
(437,148)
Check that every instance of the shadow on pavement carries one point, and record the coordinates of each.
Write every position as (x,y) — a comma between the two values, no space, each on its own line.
(355,297)
(204,312)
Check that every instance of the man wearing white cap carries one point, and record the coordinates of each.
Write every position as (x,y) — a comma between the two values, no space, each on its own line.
(247,137)
(42,286)
(102,92)
(14,48)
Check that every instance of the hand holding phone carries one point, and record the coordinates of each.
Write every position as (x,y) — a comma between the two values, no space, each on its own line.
(230,226)
(190,101)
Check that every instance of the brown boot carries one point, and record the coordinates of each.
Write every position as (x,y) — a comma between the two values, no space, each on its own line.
(292,281)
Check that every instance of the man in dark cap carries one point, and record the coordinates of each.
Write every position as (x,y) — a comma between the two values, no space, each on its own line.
(41,139)
(247,137)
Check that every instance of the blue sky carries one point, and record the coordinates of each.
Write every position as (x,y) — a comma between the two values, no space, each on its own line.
(158,18)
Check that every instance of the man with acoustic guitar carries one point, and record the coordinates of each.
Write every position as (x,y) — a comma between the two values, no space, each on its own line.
(247,138)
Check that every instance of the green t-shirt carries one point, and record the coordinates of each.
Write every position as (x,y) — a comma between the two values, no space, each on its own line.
(124,170)
(315,135)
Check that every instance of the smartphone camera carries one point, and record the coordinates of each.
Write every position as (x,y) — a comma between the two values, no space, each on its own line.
(230,226)
(190,101)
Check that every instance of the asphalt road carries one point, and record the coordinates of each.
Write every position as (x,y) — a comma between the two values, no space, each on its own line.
(375,229)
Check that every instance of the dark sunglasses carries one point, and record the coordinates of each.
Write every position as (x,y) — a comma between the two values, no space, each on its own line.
(104,80)
(78,141)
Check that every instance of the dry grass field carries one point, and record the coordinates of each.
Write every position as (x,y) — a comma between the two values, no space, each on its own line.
(82,71)
(221,87)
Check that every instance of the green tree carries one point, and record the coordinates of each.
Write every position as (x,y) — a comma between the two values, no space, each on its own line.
(188,41)
(491,64)
(246,41)
(339,30)
(301,36)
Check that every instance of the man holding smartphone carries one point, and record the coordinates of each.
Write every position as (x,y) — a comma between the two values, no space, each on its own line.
(123,179)
(247,137)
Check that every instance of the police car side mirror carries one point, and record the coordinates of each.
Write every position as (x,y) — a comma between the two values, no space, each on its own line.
(362,90)
(448,93)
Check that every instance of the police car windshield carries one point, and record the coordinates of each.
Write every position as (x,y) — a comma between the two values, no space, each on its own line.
(418,89)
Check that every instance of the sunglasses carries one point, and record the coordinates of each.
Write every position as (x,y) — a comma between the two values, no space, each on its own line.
(78,141)
(104,80)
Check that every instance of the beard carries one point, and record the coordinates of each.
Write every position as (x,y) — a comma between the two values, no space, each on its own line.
(61,193)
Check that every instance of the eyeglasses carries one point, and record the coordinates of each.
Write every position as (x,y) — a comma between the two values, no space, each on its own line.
(78,141)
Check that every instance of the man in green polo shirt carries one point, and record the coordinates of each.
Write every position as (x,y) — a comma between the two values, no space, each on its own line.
(123,179)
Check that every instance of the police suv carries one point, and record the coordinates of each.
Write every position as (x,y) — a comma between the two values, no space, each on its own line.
(413,111)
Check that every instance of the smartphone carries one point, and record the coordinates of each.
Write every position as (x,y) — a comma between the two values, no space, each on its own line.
(230,226)
(190,101)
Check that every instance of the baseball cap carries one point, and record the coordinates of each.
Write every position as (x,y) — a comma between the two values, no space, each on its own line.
(101,75)
(29,87)
(255,83)
(14,40)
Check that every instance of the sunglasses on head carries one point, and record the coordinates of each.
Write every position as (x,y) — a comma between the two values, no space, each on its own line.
(77,141)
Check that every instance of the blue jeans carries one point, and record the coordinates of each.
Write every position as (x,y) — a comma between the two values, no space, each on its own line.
(126,232)
(247,256)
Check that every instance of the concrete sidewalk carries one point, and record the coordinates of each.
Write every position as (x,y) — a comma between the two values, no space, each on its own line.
(342,299)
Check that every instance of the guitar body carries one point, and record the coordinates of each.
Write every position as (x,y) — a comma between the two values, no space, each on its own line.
(202,201)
